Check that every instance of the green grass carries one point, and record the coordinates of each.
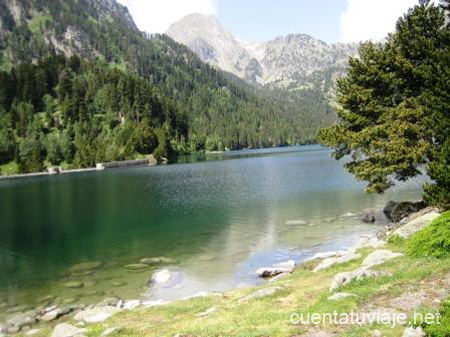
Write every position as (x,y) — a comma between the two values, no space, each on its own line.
(434,240)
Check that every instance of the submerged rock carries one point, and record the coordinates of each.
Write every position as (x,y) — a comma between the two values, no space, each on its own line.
(118,284)
(296,223)
(261,293)
(67,330)
(73,284)
(156,260)
(111,301)
(137,266)
(379,257)
(85,266)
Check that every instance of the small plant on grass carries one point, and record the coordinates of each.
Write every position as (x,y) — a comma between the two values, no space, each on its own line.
(434,240)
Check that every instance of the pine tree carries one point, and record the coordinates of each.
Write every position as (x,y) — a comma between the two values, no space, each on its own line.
(386,121)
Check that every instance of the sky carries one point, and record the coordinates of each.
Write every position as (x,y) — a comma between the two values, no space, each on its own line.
(261,20)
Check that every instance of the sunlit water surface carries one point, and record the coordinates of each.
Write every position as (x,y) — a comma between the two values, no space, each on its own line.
(220,216)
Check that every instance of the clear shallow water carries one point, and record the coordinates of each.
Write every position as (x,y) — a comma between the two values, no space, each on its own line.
(221,216)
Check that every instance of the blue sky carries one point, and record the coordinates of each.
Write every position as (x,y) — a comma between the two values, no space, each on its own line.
(266,19)
(258,20)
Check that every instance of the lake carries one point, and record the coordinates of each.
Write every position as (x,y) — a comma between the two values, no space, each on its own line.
(219,216)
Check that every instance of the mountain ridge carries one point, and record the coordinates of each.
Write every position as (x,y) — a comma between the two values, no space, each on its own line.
(283,62)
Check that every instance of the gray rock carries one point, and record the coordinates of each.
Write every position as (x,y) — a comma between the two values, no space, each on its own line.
(276,278)
(156,303)
(271,271)
(373,242)
(208,312)
(379,257)
(368,218)
(55,313)
(296,223)
(67,330)
(132,304)
(85,266)
(327,263)
(20,320)
(32,332)
(326,255)
(109,302)
(290,265)
(411,332)
(396,211)
(340,296)
(416,224)
(97,314)
(343,279)
(162,276)
(110,331)
(73,284)
(261,293)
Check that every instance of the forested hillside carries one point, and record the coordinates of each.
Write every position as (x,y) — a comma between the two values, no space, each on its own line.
(121,82)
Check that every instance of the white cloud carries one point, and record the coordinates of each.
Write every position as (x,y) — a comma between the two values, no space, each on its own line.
(371,19)
(156,16)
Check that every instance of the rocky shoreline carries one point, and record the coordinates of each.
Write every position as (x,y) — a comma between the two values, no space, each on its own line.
(48,313)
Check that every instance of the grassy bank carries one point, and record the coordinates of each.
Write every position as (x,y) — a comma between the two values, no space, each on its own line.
(417,284)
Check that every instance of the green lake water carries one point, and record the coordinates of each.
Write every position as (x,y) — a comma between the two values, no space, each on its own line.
(220,216)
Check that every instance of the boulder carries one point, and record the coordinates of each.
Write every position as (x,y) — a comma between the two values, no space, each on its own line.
(326,255)
(342,279)
(396,211)
(132,304)
(97,314)
(23,319)
(290,265)
(261,293)
(340,296)
(161,277)
(85,266)
(379,257)
(55,313)
(32,332)
(416,224)
(372,242)
(414,332)
(109,302)
(327,263)
(271,271)
(67,330)
(156,303)
(276,278)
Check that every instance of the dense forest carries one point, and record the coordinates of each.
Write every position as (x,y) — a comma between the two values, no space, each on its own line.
(80,84)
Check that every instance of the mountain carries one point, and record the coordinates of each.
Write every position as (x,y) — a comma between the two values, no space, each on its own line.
(80,83)
(295,61)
